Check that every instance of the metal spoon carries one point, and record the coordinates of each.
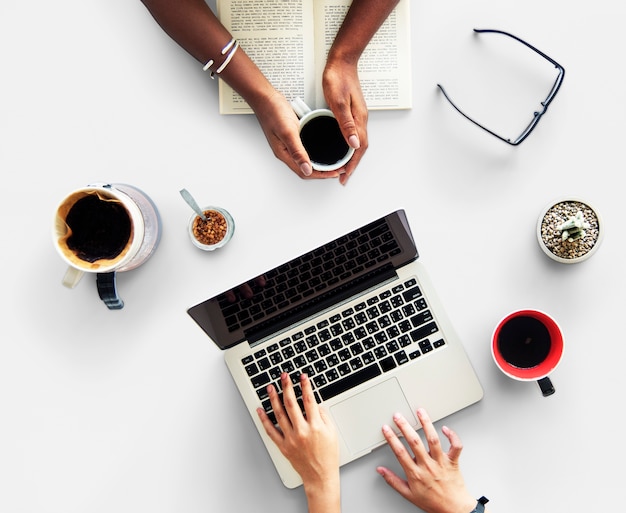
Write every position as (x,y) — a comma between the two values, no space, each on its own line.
(192,203)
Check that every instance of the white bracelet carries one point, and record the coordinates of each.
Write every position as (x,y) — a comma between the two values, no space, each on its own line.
(227,47)
(228,58)
(232,45)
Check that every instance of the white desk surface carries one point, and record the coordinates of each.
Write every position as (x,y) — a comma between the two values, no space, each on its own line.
(134,410)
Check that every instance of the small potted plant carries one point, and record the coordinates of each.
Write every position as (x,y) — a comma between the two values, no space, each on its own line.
(569,230)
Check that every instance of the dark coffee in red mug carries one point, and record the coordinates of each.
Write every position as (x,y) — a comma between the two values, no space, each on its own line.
(527,345)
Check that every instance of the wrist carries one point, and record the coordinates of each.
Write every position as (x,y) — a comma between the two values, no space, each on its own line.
(323,496)
(342,57)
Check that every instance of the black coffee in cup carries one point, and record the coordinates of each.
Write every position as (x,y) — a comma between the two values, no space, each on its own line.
(524,342)
(99,228)
(323,140)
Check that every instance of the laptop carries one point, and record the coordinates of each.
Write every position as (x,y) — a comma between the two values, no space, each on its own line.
(360,316)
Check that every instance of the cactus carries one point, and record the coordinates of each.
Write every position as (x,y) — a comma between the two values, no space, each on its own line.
(574,228)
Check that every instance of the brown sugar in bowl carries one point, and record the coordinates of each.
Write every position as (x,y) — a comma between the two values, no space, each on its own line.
(213,233)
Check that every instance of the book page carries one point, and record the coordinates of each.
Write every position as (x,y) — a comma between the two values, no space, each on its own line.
(278,37)
(385,65)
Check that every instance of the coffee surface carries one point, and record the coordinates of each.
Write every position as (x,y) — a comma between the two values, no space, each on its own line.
(524,342)
(100,229)
(323,140)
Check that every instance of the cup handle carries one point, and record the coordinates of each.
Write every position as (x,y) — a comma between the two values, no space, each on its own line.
(547,389)
(300,108)
(107,291)
(72,277)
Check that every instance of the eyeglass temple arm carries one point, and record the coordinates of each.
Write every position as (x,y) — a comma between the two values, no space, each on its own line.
(508,141)
(493,31)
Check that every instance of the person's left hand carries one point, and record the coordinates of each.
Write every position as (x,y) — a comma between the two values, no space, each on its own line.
(310,443)
(343,94)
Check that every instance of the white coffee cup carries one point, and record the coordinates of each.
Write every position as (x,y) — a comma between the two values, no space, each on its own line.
(104,229)
(322,137)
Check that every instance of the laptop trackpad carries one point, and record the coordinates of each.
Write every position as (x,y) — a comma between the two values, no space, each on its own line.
(361,417)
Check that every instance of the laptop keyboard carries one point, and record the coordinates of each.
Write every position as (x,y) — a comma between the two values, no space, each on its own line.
(346,349)
(323,268)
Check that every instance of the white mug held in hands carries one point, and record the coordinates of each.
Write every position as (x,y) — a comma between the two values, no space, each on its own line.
(103,229)
(322,138)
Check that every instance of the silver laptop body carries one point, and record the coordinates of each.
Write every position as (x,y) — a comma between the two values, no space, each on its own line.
(360,316)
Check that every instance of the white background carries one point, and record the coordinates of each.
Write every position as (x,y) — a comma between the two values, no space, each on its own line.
(134,410)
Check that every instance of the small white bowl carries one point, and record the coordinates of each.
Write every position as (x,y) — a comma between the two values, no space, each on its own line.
(598,225)
(230,229)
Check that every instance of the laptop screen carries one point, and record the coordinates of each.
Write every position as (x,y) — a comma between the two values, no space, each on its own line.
(308,284)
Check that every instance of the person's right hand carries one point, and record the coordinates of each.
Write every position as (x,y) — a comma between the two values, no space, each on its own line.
(281,127)
(433,479)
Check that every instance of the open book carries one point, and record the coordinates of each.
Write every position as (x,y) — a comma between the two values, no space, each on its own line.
(289,42)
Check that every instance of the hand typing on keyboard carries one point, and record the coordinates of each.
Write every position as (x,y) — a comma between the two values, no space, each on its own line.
(308,441)
(433,482)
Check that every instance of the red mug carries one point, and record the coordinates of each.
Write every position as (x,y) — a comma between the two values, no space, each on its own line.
(527,345)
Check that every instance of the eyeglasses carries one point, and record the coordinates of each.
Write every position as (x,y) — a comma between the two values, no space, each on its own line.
(537,115)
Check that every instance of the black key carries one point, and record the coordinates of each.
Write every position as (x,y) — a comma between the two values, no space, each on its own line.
(401,357)
(344,354)
(411,294)
(360,333)
(420,304)
(276,358)
(320,366)
(388,363)
(324,350)
(324,335)
(404,341)
(385,306)
(369,343)
(368,358)
(260,380)
(421,318)
(360,318)
(438,343)
(275,373)
(426,346)
(312,341)
(332,360)
(311,355)
(424,331)
(343,369)
(319,381)
(331,375)
(356,363)
(350,381)
(356,349)
(252,369)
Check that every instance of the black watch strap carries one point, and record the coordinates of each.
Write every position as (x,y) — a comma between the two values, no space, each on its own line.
(480,505)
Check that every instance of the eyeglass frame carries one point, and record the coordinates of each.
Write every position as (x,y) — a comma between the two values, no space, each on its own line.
(537,114)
